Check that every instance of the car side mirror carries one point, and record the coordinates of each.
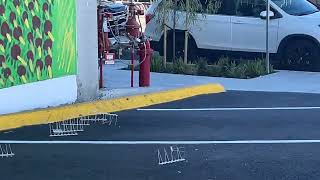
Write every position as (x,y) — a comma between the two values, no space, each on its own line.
(263,14)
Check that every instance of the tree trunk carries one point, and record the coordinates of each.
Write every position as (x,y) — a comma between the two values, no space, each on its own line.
(165,45)
(186,41)
(186,34)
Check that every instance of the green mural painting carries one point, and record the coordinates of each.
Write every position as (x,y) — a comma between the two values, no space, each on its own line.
(37,40)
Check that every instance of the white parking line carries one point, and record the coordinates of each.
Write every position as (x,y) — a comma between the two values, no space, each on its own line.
(312,141)
(233,109)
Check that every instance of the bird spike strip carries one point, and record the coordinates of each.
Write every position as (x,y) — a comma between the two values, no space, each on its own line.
(175,154)
(105,118)
(6,151)
(72,127)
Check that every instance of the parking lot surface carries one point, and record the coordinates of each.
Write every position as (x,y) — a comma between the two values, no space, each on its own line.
(231,116)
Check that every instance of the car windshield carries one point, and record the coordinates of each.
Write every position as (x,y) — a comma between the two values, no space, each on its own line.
(296,7)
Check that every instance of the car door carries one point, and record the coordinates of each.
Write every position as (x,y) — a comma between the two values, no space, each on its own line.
(249,30)
(213,29)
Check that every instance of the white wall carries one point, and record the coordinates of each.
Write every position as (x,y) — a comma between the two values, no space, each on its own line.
(87,42)
(42,94)
(65,90)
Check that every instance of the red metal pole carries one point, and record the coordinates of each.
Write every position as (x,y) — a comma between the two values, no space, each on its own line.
(101,45)
(101,74)
(145,53)
(132,65)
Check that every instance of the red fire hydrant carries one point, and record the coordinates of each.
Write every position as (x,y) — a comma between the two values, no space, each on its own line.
(145,54)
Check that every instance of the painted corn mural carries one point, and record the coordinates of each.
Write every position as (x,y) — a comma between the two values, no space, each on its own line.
(37,40)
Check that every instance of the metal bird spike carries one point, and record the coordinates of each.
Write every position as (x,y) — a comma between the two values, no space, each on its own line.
(6,150)
(74,124)
(64,128)
(104,118)
(175,155)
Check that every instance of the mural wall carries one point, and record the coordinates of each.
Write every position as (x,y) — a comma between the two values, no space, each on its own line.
(37,40)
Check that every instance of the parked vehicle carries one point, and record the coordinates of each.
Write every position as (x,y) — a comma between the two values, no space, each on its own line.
(240,26)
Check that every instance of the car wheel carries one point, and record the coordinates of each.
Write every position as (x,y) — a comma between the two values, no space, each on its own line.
(301,55)
(192,49)
(179,47)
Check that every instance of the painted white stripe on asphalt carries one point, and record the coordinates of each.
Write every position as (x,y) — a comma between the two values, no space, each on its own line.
(165,142)
(233,109)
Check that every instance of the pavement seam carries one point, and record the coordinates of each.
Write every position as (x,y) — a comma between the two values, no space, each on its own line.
(50,115)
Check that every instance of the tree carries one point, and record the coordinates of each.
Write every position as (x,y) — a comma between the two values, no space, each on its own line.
(190,9)
(162,12)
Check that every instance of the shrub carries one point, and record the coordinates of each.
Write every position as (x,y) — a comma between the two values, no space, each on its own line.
(223,62)
(202,67)
(224,67)
(157,63)
(256,68)
(179,67)
(230,69)
(242,69)
(214,70)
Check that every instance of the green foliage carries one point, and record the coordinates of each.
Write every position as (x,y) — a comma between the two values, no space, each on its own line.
(191,7)
(213,6)
(156,63)
(224,67)
(215,71)
(163,10)
(256,68)
(202,67)
(223,63)
(179,67)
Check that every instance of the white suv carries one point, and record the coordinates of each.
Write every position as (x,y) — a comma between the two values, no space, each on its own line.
(239,26)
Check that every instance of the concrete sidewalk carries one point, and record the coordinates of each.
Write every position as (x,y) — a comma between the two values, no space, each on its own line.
(117,82)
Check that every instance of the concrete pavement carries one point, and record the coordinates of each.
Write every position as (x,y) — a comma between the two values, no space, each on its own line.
(118,82)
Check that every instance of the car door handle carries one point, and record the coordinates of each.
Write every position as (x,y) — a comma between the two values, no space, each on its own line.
(238,22)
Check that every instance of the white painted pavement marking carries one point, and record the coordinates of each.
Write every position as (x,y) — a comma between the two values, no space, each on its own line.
(307,141)
(233,109)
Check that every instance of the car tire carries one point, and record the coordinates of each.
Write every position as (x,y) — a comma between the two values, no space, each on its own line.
(192,47)
(179,46)
(300,55)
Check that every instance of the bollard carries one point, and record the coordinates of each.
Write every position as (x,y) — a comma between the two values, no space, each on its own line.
(101,74)
(145,54)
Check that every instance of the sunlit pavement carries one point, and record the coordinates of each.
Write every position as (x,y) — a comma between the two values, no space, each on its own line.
(202,119)
(117,82)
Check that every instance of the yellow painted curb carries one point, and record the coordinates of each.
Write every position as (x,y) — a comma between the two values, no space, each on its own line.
(45,116)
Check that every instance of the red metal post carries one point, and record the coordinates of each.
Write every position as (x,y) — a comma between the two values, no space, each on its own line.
(104,43)
(132,65)
(133,30)
(101,45)
(101,74)
(145,53)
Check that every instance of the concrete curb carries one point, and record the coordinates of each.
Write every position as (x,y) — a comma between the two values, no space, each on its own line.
(50,115)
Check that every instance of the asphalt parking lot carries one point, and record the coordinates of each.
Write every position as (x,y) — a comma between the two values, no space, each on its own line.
(195,119)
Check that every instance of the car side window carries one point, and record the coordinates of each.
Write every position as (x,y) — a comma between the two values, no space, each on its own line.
(221,7)
(250,8)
